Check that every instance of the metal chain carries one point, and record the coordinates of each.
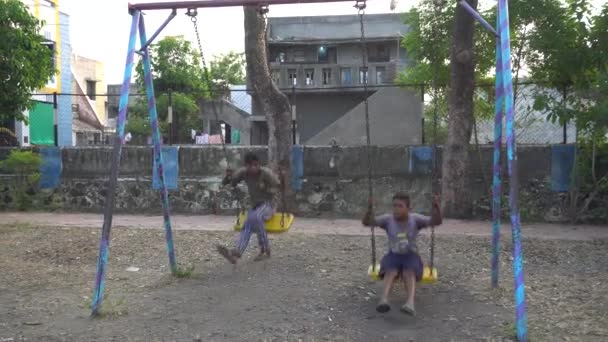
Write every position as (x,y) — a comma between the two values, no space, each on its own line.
(192,13)
(434,150)
(360,5)
(283,200)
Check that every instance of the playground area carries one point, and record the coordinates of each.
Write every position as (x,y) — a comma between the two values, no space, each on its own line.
(314,288)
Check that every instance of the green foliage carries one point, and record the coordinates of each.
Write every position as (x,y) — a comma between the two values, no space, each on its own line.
(24,166)
(176,68)
(228,69)
(25,64)
(428,45)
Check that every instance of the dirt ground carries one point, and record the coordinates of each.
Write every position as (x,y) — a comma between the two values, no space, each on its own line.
(315,288)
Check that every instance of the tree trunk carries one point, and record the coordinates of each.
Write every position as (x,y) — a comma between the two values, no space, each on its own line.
(456,184)
(273,102)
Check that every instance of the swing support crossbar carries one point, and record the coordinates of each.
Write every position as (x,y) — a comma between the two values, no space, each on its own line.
(146,6)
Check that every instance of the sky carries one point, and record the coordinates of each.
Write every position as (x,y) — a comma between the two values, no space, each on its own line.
(100,29)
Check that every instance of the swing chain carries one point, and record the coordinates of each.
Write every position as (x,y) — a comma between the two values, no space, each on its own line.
(434,184)
(192,13)
(283,200)
(360,5)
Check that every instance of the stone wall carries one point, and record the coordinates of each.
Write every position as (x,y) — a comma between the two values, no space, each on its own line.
(333,180)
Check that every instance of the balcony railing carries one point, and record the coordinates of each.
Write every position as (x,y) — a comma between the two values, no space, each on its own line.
(313,76)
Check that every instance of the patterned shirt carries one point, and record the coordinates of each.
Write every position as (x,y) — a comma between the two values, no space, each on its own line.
(261,187)
(402,234)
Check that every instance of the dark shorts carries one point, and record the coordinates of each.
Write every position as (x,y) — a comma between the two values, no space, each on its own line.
(401,262)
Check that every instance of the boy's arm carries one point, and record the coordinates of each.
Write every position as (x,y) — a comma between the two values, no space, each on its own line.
(273,181)
(434,220)
(233,178)
(369,220)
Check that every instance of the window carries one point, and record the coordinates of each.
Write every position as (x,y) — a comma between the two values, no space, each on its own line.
(326,76)
(379,53)
(380,75)
(91,90)
(345,76)
(363,75)
(323,56)
(51,45)
(276,76)
(293,77)
(310,76)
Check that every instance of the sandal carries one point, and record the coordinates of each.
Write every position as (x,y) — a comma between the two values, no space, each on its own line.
(383,307)
(226,253)
(408,309)
(262,256)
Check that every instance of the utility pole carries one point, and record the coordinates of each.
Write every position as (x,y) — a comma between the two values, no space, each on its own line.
(55,120)
(170,117)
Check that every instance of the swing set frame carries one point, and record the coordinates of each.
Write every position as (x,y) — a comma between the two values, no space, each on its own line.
(503,108)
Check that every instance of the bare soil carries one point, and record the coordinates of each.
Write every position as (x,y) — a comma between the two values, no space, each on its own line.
(314,288)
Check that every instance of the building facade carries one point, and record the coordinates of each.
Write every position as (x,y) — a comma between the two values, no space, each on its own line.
(318,63)
(89,103)
(50,119)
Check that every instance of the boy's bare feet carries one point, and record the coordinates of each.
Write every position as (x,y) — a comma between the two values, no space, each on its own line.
(227,254)
(383,306)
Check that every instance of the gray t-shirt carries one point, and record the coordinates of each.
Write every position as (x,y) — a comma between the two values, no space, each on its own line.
(402,234)
(261,187)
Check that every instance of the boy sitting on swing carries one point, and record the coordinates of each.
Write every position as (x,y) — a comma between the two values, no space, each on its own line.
(402,260)
(262,184)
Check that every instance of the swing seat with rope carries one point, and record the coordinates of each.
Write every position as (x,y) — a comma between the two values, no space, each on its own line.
(278,223)
(429,273)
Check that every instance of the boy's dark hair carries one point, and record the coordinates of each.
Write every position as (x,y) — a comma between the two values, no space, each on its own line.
(251,157)
(402,197)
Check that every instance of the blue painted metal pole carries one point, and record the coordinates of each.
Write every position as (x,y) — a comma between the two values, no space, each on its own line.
(518,258)
(104,245)
(156,140)
(496,168)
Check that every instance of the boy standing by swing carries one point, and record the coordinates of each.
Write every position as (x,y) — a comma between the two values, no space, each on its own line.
(262,184)
(402,260)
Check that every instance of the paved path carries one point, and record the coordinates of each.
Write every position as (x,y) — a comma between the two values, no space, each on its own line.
(301,225)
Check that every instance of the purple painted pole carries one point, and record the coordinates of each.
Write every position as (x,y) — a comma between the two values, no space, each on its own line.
(496,168)
(477,16)
(518,259)
(156,140)
(104,245)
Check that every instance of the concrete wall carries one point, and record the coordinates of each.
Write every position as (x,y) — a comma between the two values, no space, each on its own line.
(333,180)
(317,111)
(395,117)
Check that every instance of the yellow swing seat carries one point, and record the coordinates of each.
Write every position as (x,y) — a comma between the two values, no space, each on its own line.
(429,275)
(374,272)
(278,223)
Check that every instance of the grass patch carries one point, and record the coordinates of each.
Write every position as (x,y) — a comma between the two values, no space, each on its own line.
(111,307)
(184,271)
(15,227)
